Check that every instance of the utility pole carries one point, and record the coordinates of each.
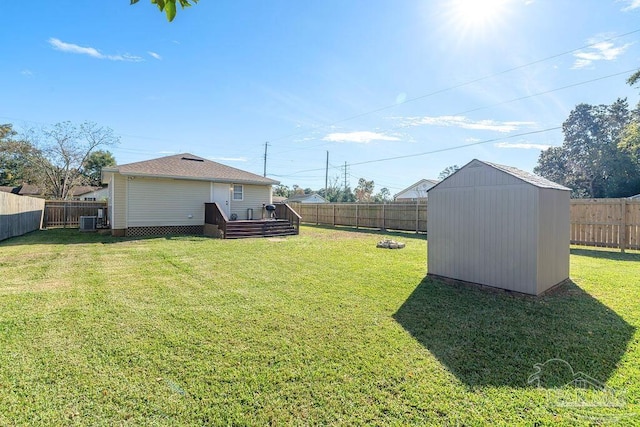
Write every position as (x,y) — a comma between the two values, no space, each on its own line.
(326,176)
(345,176)
(266,144)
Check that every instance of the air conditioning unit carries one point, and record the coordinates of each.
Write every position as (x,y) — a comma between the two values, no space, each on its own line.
(88,223)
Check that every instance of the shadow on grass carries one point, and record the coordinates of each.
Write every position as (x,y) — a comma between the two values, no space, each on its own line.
(73,236)
(614,255)
(494,338)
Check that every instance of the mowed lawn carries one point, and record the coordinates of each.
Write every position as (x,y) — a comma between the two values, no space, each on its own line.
(320,328)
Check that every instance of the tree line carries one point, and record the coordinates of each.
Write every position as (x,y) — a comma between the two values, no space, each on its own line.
(55,159)
(362,193)
(600,154)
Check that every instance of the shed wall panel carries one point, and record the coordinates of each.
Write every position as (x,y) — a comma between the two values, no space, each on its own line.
(166,202)
(553,239)
(483,235)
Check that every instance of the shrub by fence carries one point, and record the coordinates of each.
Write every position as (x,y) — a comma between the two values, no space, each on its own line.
(19,215)
(67,213)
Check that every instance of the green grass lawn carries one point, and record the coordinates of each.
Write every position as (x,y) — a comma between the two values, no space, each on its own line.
(320,328)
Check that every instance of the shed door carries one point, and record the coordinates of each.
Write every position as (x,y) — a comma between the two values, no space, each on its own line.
(220,195)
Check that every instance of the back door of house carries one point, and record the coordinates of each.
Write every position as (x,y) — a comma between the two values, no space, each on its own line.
(220,195)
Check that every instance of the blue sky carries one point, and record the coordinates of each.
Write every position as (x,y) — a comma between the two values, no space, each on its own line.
(364,80)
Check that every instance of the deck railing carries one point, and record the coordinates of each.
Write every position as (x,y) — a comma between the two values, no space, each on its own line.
(284,211)
(213,214)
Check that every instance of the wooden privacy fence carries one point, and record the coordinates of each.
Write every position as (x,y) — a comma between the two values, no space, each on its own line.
(612,223)
(393,216)
(67,213)
(19,215)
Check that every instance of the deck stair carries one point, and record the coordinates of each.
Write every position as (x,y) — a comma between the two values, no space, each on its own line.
(259,228)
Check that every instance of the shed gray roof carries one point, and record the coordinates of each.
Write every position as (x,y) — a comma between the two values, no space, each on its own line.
(527,177)
(524,176)
(188,166)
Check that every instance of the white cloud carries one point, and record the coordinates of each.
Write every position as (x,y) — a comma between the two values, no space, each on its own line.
(26,72)
(465,123)
(58,44)
(598,51)
(361,137)
(522,145)
(154,55)
(631,4)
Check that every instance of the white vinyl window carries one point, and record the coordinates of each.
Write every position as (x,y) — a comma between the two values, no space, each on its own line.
(238,192)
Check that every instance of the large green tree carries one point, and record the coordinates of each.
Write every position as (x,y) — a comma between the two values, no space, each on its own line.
(14,169)
(169,7)
(590,161)
(92,167)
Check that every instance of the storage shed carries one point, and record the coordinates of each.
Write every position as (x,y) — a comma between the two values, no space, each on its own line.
(499,226)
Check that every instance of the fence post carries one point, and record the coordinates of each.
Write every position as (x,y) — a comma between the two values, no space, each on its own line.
(317,214)
(356,215)
(64,214)
(622,231)
(384,225)
(334,215)
(417,216)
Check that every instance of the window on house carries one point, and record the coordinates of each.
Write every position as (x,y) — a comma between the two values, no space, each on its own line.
(237,192)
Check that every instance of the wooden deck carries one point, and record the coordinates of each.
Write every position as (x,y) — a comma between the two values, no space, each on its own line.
(286,224)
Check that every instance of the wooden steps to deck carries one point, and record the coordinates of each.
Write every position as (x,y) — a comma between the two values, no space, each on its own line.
(259,228)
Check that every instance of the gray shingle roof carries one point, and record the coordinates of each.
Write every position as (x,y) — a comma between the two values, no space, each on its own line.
(188,166)
(527,177)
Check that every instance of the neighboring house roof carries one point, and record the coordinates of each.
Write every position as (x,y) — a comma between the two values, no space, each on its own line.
(188,166)
(13,190)
(22,190)
(527,177)
(412,190)
(636,197)
(83,189)
(29,190)
(32,190)
(306,197)
(278,199)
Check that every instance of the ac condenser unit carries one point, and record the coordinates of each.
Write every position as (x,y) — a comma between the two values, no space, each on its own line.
(88,223)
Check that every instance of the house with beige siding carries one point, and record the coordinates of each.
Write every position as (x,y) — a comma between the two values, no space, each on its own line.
(499,226)
(168,195)
(416,192)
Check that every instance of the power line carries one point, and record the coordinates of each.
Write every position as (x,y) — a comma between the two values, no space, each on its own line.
(457,86)
(495,105)
(502,102)
(457,147)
